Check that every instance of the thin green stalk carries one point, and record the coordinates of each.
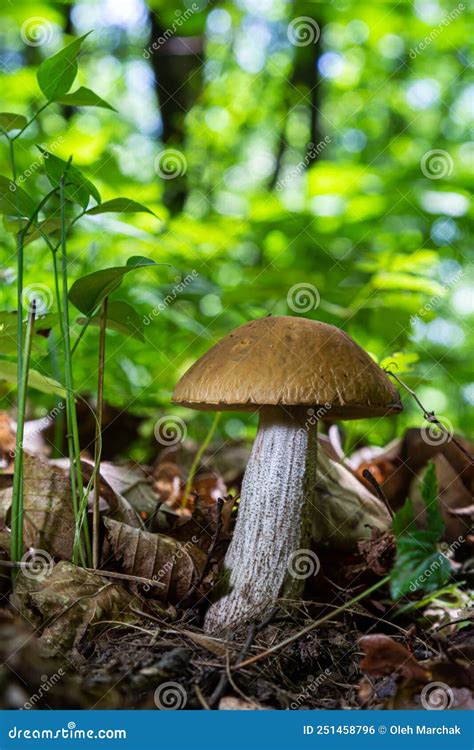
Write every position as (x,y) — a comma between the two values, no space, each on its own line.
(73,433)
(98,435)
(17,497)
(197,459)
(37,113)
(59,421)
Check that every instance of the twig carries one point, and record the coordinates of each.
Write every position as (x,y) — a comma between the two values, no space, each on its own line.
(126,577)
(201,698)
(379,491)
(309,628)
(431,417)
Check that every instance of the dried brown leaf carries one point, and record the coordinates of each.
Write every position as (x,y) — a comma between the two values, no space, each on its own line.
(157,557)
(65,601)
(384,655)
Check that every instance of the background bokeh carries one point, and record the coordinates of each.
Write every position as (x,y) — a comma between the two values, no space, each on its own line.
(302,158)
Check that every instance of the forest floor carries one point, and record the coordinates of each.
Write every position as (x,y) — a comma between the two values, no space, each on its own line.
(129,635)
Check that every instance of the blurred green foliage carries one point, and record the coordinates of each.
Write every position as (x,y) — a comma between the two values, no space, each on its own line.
(269,164)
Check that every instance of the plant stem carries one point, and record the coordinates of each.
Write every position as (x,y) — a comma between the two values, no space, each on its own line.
(197,459)
(17,497)
(98,434)
(73,433)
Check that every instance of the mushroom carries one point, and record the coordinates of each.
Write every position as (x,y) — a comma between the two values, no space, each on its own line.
(293,371)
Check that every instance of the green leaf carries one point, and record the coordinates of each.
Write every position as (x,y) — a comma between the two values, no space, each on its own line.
(417,571)
(8,330)
(8,372)
(77,187)
(11,121)
(14,198)
(84,97)
(88,291)
(49,227)
(419,565)
(121,206)
(56,74)
(121,317)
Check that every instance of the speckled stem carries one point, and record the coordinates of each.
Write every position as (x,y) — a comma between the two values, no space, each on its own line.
(274,520)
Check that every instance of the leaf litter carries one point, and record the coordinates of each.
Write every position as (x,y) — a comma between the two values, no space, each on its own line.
(123,630)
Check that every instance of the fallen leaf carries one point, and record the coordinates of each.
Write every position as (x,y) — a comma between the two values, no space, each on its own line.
(379,551)
(384,655)
(65,601)
(157,557)
(48,513)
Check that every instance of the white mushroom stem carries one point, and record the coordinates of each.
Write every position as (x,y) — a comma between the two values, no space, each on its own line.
(291,496)
(268,557)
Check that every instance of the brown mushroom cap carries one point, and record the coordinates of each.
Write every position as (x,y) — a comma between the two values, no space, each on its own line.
(288,361)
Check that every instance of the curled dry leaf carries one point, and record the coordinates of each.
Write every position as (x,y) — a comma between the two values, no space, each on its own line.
(7,442)
(383,655)
(157,557)
(48,516)
(379,551)
(65,601)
